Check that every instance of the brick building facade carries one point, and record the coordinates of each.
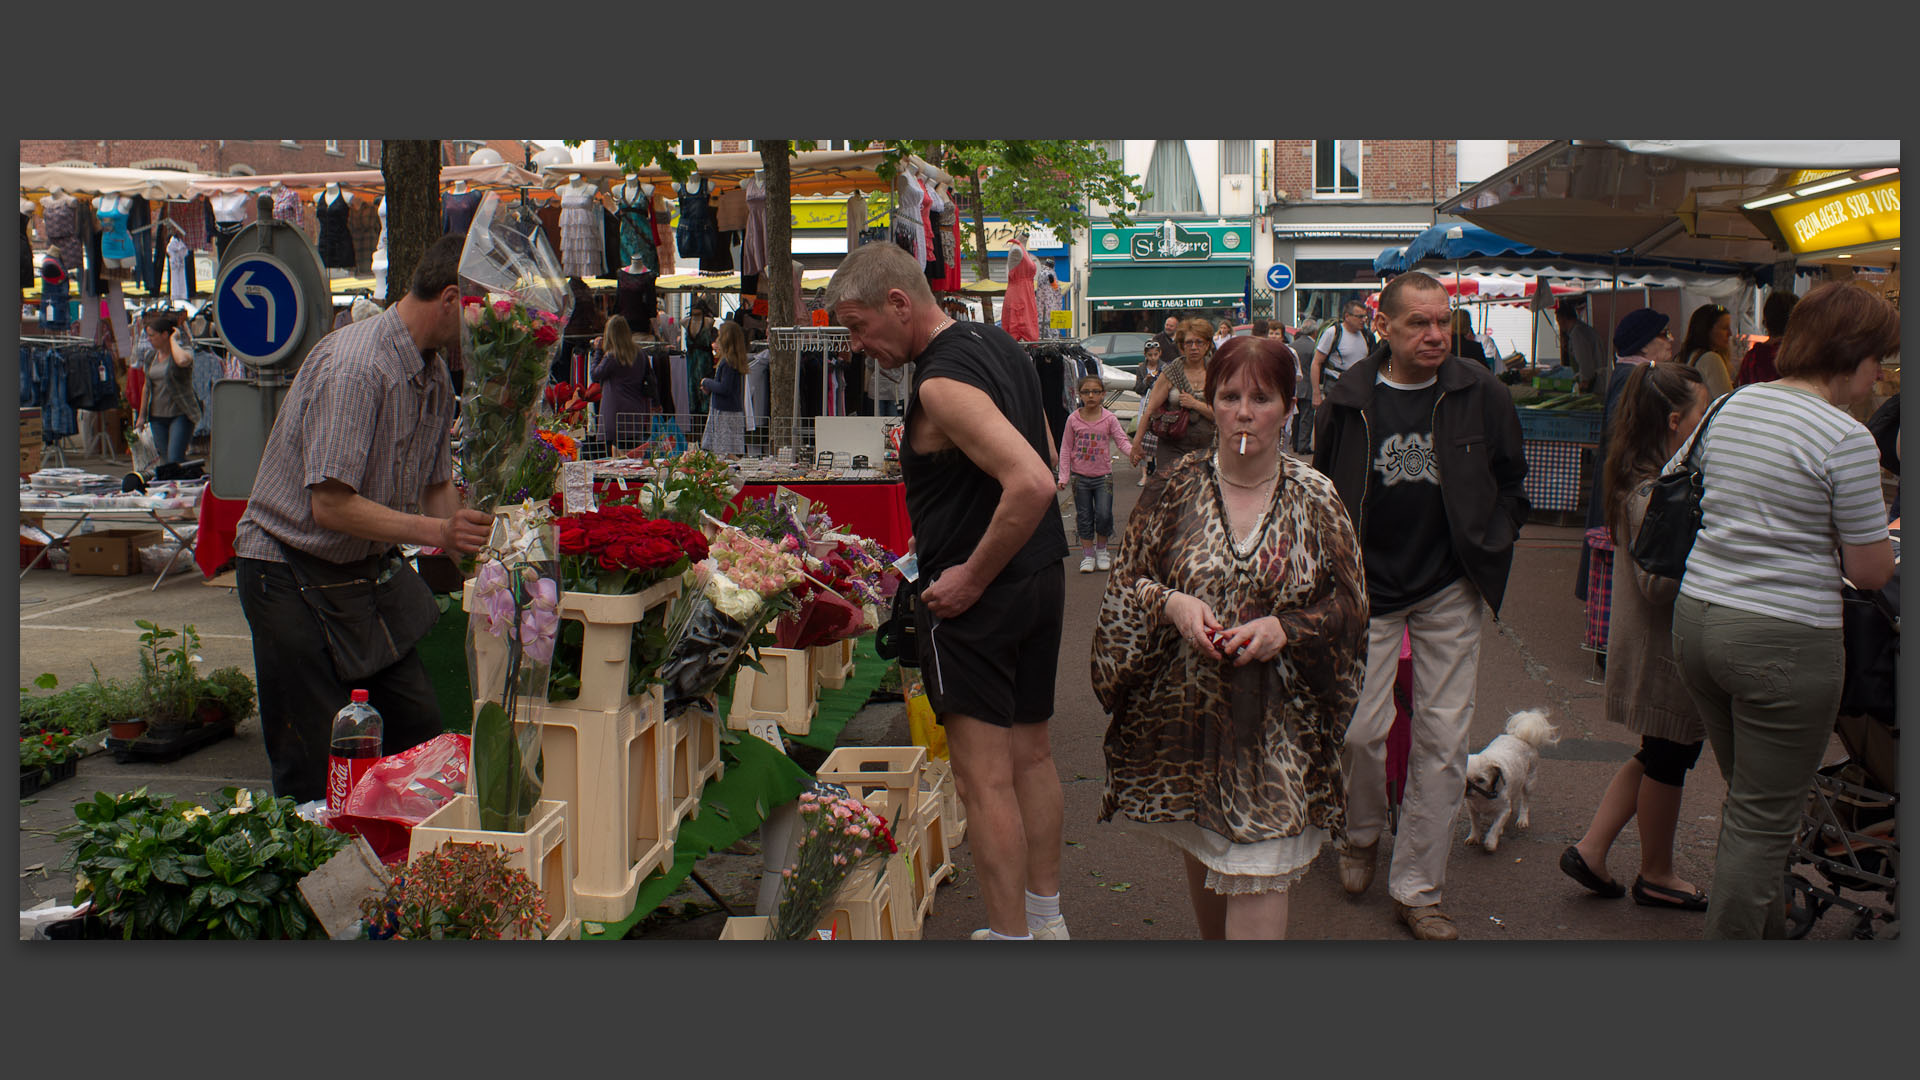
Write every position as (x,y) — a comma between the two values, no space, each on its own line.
(1422,171)
(218,156)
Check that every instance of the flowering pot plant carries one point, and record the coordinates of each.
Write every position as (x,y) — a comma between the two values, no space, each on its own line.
(514,303)
(511,634)
(838,833)
(741,584)
(154,868)
(689,488)
(42,750)
(615,551)
(463,891)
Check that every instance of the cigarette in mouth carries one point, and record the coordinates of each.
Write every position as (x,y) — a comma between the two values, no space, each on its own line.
(1243,442)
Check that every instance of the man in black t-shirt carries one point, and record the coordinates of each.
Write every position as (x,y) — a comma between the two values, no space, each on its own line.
(987,533)
(1425,450)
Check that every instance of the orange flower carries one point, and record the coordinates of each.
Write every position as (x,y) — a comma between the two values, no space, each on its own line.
(562,443)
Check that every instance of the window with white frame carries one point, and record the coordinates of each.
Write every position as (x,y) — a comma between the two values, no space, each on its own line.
(1236,157)
(1170,181)
(1336,168)
(366,151)
(333,146)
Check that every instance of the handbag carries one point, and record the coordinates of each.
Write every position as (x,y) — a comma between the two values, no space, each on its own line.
(1170,422)
(371,612)
(1667,532)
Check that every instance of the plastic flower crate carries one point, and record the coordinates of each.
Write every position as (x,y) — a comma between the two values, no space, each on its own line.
(541,851)
(865,770)
(937,782)
(605,766)
(1551,425)
(682,781)
(785,693)
(863,909)
(608,622)
(832,664)
(931,856)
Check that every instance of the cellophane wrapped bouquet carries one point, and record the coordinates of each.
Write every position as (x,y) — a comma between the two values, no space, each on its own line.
(741,584)
(511,634)
(515,301)
(838,834)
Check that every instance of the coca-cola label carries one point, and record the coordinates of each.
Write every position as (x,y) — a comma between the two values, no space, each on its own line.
(343,774)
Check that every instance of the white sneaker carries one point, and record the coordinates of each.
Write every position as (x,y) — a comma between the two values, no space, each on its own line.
(986,934)
(1054,929)
(1142,482)
(1102,561)
(1086,565)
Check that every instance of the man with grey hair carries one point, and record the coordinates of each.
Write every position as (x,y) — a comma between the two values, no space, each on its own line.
(987,532)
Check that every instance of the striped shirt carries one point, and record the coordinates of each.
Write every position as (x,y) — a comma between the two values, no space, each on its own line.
(367,409)
(1789,478)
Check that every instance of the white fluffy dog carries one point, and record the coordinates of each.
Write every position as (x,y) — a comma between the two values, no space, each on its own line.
(1500,777)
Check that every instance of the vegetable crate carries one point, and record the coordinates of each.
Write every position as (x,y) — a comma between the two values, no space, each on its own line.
(863,909)
(937,782)
(541,851)
(785,693)
(605,766)
(869,770)
(608,624)
(832,664)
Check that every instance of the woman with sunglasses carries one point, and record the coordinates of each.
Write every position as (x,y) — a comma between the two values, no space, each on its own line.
(1706,349)
(1181,386)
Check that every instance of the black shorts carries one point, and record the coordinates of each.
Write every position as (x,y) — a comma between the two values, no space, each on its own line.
(997,660)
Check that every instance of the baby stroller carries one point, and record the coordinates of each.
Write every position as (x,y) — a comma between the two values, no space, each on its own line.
(1846,834)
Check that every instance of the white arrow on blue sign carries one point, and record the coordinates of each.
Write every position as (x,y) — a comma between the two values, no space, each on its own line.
(257,307)
(1279,276)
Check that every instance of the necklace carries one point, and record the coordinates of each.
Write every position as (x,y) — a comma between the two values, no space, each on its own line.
(944,323)
(1222,474)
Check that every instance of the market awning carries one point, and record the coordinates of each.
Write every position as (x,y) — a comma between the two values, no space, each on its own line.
(813,172)
(501,175)
(146,183)
(1110,288)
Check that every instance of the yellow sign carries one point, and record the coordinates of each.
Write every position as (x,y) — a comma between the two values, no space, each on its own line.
(827,214)
(1060,320)
(1867,215)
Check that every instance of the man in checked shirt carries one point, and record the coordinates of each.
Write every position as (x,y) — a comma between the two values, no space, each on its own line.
(358,462)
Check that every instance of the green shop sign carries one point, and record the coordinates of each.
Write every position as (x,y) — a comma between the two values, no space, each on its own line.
(1172,241)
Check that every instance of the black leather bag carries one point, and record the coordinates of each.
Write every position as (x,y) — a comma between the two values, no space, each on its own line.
(372,612)
(1667,532)
(896,639)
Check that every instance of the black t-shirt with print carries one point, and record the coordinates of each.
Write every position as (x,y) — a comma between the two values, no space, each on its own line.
(1405,544)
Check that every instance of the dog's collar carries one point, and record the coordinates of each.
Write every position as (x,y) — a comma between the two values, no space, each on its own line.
(1486,793)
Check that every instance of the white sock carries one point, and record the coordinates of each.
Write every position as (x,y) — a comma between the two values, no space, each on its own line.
(1042,908)
(998,936)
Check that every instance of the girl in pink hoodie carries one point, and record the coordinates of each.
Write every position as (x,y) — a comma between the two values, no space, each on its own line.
(1085,455)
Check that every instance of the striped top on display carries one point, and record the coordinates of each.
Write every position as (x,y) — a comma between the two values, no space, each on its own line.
(1789,477)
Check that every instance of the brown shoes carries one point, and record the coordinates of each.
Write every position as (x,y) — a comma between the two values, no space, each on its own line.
(1356,868)
(1427,923)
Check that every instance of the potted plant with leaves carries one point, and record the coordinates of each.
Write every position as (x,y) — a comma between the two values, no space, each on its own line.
(81,709)
(152,867)
(46,758)
(458,891)
(169,687)
(226,696)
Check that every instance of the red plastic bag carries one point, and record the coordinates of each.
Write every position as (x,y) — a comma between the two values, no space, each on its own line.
(400,790)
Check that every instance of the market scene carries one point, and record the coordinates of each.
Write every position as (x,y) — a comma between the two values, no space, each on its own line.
(602,540)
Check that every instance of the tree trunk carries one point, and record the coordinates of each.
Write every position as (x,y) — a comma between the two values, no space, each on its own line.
(411,170)
(982,265)
(776,284)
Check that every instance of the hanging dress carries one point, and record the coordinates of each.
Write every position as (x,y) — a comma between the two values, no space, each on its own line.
(700,362)
(179,284)
(286,207)
(698,234)
(907,221)
(115,241)
(580,235)
(336,240)
(457,210)
(380,256)
(229,217)
(1046,296)
(636,228)
(1020,315)
(753,253)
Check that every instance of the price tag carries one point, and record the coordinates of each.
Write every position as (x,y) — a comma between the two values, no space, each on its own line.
(769,732)
(1060,320)
(576,479)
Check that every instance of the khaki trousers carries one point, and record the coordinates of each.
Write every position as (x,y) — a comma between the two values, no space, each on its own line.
(1446,664)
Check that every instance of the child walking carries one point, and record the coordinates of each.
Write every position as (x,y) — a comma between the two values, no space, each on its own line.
(1084,453)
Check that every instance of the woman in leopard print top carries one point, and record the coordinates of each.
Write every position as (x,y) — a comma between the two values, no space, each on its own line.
(1229,652)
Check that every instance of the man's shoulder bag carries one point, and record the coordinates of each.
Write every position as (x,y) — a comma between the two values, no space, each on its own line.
(372,612)
(1672,521)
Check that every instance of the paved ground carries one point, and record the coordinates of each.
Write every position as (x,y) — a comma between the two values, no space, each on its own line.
(1114,886)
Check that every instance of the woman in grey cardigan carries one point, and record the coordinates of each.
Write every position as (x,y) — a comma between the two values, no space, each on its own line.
(1659,407)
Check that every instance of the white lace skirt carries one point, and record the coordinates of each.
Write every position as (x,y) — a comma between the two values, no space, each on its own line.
(1235,869)
(580,242)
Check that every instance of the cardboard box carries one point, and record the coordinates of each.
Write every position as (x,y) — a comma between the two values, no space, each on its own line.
(30,428)
(29,458)
(112,552)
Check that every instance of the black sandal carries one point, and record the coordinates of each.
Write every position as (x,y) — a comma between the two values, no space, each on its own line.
(1660,896)
(1575,867)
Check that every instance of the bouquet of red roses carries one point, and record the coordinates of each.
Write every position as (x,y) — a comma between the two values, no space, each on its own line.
(619,549)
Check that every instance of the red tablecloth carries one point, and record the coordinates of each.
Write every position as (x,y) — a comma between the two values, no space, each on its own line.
(213,543)
(877,511)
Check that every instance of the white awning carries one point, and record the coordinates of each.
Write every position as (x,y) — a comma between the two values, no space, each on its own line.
(146,183)
(501,175)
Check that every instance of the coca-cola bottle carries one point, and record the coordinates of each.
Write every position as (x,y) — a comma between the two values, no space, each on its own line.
(355,747)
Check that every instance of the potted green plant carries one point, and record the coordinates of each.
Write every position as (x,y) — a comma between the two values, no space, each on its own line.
(46,758)
(81,709)
(149,867)
(226,696)
(169,687)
